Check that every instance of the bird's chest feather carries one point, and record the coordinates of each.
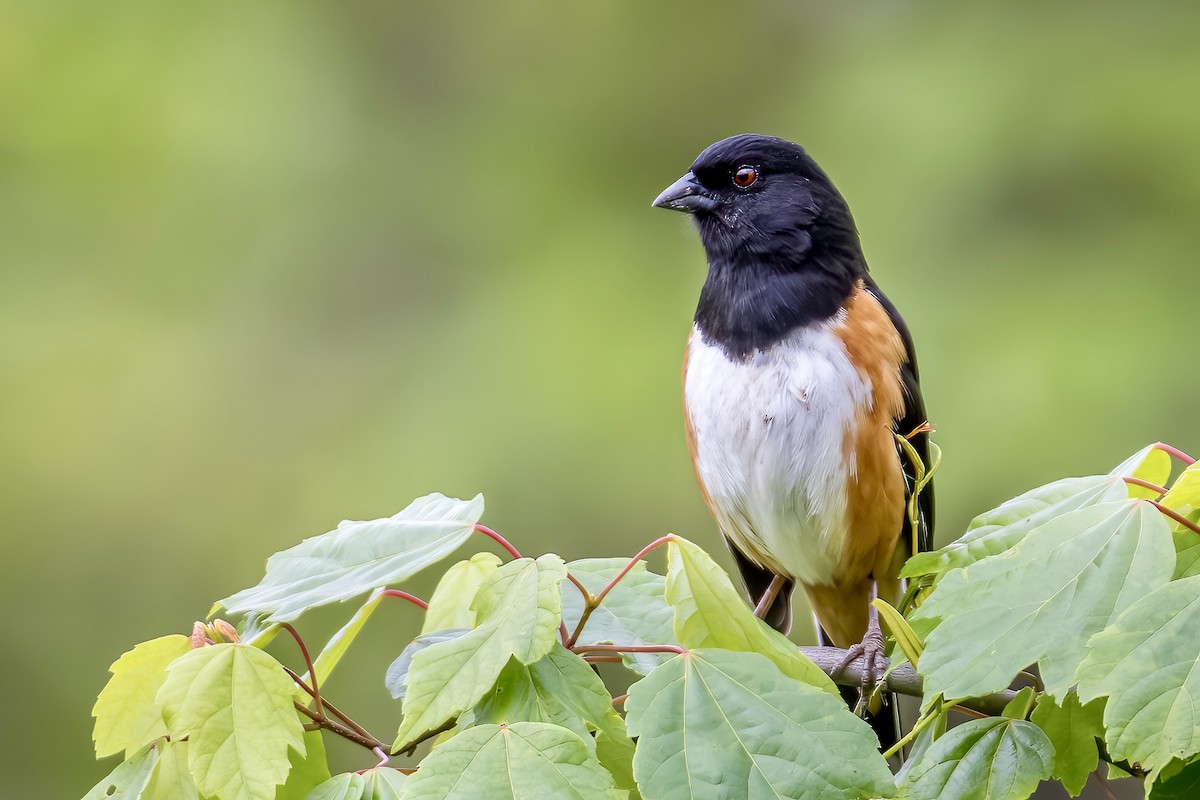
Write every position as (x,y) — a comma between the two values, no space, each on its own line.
(771,437)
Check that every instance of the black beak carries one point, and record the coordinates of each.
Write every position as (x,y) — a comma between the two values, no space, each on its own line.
(685,194)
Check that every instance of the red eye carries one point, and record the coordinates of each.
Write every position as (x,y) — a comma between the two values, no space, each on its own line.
(745,177)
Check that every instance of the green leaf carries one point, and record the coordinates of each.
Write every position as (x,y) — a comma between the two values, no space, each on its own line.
(127,716)
(1072,728)
(308,770)
(1177,781)
(615,753)
(358,557)
(561,689)
(635,611)
(906,638)
(1148,665)
(522,761)
(171,779)
(129,779)
(721,724)
(995,531)
(1065,581)
(234,703)
(710,612)
(1187,552)
(1184,495)
(1020,706)
(451,604)
(396,678)
(519,611)
(984,759)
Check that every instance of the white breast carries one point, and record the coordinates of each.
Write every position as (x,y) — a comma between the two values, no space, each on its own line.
(770,439)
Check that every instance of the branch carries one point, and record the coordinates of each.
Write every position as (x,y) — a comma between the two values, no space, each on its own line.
(902,680)
(905,680)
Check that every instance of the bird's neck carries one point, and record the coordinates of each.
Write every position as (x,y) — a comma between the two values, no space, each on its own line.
(751,303)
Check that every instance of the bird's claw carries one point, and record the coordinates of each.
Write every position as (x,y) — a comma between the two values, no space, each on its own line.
(875,661)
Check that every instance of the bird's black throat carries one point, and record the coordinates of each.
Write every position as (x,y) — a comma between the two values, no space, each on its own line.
(753,299)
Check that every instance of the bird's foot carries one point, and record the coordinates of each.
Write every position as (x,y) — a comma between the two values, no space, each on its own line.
(875,661)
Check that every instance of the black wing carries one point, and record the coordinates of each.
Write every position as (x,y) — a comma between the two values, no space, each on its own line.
(913,417)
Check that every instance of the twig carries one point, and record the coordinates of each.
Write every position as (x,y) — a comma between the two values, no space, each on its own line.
(330,725)
(1175,515)
(412,748)
(1177,453)
(331,708)
(1154,487)
(312,672)
(491,534)
(630,648)
(595,602)
(587,596)
(412,598)
(1103,784)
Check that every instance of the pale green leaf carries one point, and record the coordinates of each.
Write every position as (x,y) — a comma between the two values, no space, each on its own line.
(1150,464)
(383,783)
(1042,600)
(129,779)
(995,531)
(172,778)
(1072,728)
(358,557)
(127,715)
(635,612)
(396,677)
(308,770)
(561,689)
(346,786)
(722,724)
(519,611)
(234,703)
(984,759)
(710,612)
(331,654)
(1148,665)
(525,594)
(452,600)
(1176,781)
(522,761)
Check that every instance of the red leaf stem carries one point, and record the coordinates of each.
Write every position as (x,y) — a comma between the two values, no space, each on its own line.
(491,534)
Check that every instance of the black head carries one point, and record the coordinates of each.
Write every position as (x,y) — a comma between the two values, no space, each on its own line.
(781,244)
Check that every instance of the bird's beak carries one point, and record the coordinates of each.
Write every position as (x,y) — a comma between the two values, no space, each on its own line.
(685,194)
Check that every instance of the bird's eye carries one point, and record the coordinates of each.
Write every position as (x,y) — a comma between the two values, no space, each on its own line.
(745,177)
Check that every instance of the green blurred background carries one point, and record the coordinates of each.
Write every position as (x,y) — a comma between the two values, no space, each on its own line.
(266,266)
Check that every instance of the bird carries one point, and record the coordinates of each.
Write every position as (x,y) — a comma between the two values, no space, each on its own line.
(799,375)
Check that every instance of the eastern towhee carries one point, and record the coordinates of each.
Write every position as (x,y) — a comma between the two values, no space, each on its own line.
(798,373)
